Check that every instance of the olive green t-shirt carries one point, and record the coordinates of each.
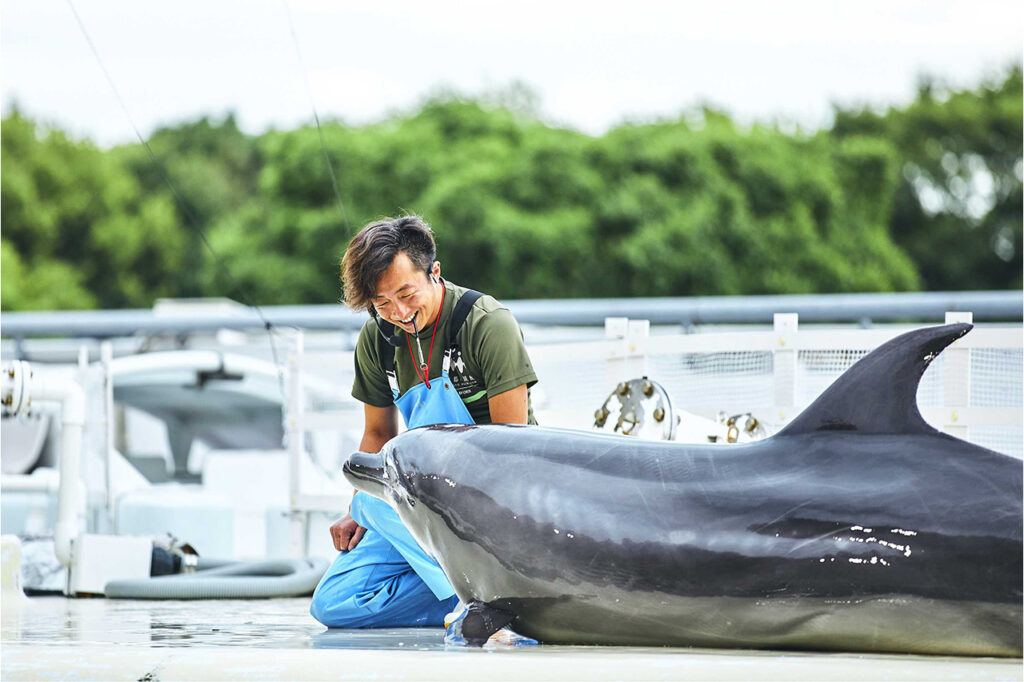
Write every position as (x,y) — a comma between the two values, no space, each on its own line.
(491,359)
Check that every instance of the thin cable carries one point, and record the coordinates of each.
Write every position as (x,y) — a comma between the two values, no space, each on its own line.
(316,117)
(189,218)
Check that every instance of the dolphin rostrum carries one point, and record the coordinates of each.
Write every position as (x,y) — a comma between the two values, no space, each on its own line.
(856,527)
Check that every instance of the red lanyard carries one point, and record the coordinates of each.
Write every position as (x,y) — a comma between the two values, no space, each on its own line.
(437,323)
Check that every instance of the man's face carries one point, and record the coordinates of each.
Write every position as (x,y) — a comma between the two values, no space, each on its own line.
(405,294)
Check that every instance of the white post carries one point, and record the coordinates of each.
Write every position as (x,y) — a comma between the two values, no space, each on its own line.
(295,435)
(616,329)
(785,364)
(106,357)
(956,381)
(637,333)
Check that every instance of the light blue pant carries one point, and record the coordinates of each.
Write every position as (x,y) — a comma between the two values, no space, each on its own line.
(386,581)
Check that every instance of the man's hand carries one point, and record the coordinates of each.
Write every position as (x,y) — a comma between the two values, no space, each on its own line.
(346,533)
(381,425)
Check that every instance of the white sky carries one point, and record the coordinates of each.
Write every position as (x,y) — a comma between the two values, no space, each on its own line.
(592,64)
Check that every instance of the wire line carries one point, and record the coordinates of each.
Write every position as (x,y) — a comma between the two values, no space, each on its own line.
(190,219)
(316,116)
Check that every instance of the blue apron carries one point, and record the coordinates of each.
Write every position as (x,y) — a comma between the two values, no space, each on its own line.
(437,404)
(440,402)
(388,580)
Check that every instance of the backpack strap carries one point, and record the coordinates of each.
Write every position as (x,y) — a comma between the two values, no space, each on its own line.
(387,355)
(459,315)
(461,312)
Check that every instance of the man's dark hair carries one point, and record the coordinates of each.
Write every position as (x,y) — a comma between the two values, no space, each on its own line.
(371,252)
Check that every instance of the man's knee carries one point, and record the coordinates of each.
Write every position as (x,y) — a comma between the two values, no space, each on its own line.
(399,601)
(335,611)
(365,508)
(344,607)
(357,585)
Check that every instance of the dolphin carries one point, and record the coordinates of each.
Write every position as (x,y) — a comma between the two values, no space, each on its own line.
(857,527)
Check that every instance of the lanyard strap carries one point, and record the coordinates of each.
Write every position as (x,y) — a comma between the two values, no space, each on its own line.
(426,369)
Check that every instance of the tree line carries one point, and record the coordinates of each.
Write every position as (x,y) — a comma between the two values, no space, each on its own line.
(922,196)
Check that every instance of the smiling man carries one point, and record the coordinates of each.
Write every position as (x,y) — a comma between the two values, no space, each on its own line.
(435,353)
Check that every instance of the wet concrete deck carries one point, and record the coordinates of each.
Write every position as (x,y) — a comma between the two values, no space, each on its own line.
(53,638)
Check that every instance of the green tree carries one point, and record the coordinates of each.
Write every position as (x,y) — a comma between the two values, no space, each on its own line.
(210,168)
(77,229)
(957,210)
(927,194)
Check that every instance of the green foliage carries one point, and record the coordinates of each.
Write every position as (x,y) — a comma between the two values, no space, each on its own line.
(213,169)
(928,194)
(957,209)
(77,229)
(47,285)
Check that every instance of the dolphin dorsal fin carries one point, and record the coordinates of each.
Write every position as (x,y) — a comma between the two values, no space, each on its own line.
(879,393)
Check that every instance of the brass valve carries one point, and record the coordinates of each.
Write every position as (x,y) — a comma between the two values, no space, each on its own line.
(647,388)
(732,435)
(627,408)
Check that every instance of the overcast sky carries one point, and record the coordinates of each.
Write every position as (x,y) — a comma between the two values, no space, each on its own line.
(592,64)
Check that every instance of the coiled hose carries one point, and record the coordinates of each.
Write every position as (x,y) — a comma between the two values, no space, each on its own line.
(227,580)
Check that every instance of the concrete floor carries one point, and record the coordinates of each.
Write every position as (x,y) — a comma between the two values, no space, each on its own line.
(53,638)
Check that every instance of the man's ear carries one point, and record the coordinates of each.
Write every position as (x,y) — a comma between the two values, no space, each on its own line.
(435,271)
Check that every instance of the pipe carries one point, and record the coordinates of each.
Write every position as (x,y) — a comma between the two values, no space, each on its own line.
(21,483)
(20,386)
(237,580)
(190,360)
(72,420)
(812,308)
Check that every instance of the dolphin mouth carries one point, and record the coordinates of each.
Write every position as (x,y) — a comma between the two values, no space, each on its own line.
(365,471)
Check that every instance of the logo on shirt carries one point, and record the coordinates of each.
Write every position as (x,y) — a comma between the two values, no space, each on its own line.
(466,385)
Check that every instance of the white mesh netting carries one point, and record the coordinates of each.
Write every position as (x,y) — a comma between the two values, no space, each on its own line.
(744,381)
(931,390)
(997,377)
(568,385)
(733,381)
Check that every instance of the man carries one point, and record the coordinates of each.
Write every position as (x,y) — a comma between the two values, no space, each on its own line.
(436,353)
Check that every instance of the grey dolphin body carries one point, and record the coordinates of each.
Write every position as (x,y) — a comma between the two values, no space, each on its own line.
(857,527)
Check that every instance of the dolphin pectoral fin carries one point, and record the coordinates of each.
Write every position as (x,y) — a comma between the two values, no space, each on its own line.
(365,471)
(482,621)
(878,395)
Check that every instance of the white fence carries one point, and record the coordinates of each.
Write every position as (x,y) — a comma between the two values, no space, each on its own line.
(973,390)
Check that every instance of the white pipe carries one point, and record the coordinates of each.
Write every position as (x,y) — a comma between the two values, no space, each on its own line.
(205,360)
(20,386)
(48,386)
(20,483)
(191,360)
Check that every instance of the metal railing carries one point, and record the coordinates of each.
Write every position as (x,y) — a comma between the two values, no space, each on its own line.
(812,308)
